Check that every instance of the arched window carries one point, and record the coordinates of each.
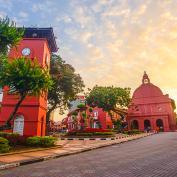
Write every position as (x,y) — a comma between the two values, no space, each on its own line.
(159,124)
(147,124)
(19,124)
(134,124)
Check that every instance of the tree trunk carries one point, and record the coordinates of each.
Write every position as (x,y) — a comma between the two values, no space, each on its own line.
(49,112)
(48,117)
(7,124)
(22,97)
(122,115)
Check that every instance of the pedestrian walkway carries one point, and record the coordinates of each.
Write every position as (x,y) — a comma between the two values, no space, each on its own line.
(67,147)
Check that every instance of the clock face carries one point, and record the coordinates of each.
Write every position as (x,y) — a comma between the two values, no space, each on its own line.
(26,51)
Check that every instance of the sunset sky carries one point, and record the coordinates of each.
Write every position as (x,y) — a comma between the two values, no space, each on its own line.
(109,42)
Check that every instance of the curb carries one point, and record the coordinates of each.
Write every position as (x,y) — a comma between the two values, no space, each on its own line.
(26,162)
(107,138)
(110,138)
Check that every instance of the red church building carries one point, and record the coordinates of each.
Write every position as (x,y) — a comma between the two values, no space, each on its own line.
(30,120)
(150,109)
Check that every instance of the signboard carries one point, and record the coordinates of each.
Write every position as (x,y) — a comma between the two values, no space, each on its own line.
(19,125)
(1,94)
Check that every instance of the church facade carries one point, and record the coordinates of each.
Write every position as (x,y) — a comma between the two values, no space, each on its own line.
(150,109)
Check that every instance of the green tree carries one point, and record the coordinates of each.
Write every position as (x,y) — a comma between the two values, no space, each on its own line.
(117,124)
(24,77)
(173,104)
(67,84)
(108,98)
(10,35)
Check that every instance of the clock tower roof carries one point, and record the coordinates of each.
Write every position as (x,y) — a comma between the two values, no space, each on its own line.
(42,33)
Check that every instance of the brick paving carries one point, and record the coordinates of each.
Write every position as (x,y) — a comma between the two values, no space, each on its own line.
(153,156)
(68,147)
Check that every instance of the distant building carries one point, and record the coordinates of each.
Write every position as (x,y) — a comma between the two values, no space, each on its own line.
(94,118)
(55,126)
(64,123)
(150,109)
(79,100)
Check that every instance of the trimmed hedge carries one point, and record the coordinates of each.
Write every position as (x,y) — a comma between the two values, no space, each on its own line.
(7,134)
(4,145)
(43,141)
(103,133)
(90,130)
(90,134)
(84,134)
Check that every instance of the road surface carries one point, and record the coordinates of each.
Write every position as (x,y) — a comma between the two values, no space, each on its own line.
(153,156)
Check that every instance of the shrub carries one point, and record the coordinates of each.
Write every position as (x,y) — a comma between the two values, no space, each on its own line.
(84,134)
(7,134)
(96,130)
(4,145)
(71,133)
(131,132)
(47,141)
(80,106)
(90,109)
(84,115)
(33,141)
(88,130)
(44,141)
(75,113)
(135,131)
(103,133)
(13,138)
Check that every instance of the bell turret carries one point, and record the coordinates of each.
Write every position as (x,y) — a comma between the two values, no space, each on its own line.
(145,79)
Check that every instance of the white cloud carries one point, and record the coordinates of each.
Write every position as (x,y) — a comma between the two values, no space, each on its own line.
(64,18)
(99,5)
(23,14)
(115,12)
(2,14)
(112,42)
(144,38)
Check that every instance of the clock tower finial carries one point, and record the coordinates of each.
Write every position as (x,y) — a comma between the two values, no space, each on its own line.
(145,79)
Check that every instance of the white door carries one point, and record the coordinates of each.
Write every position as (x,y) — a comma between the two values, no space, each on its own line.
(19,125)
(1,94)
(95,125)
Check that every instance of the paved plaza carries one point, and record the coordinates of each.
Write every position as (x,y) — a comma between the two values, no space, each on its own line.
(152,156)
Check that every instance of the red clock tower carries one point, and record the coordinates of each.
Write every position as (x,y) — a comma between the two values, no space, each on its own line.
(30,119)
